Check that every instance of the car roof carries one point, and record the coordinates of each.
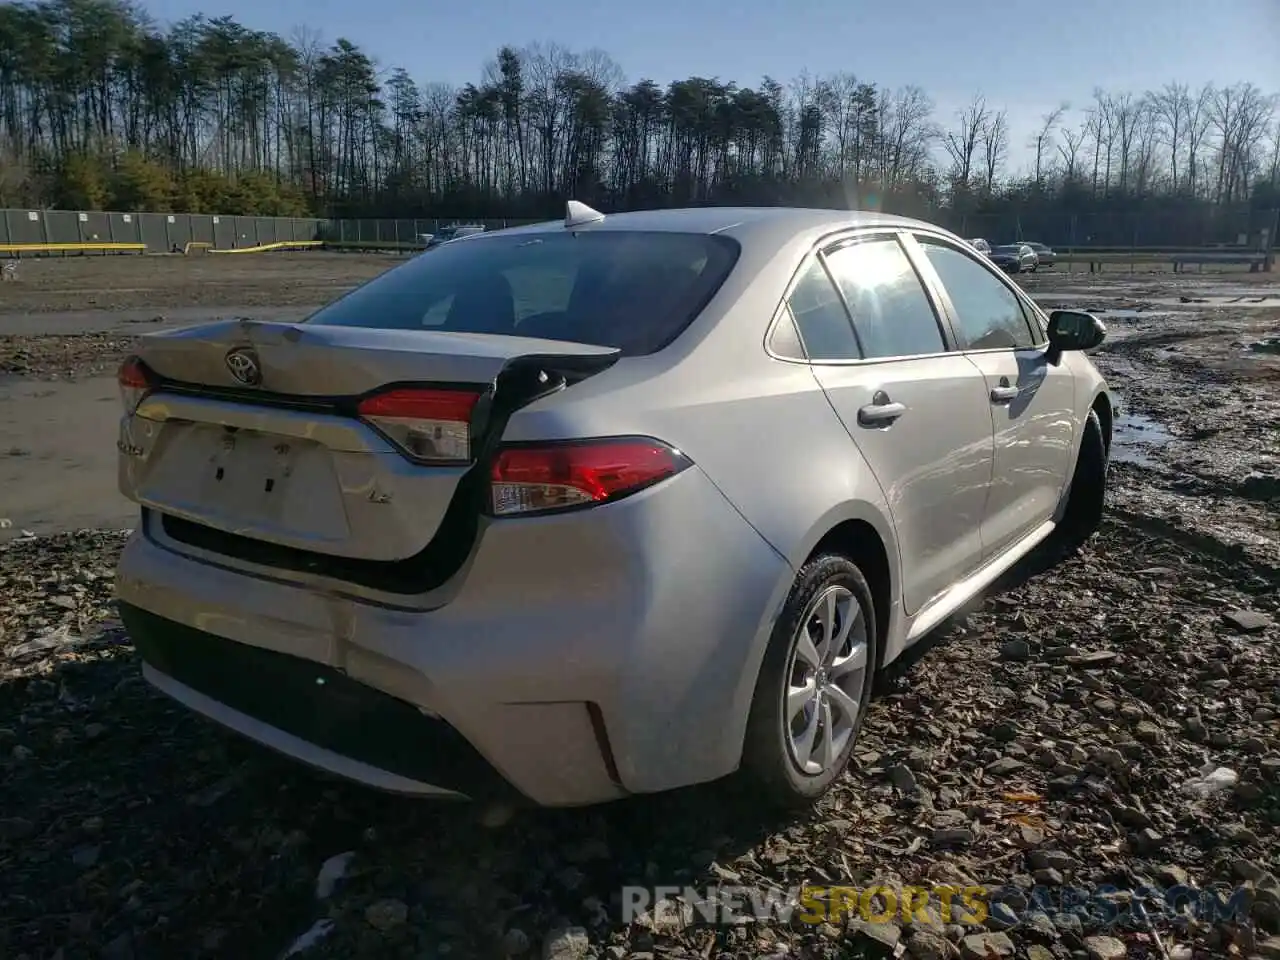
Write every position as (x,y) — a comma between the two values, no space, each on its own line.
(757,223)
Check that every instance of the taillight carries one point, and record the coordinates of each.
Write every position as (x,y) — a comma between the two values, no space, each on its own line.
(429,424)
(135,383)
(534,478)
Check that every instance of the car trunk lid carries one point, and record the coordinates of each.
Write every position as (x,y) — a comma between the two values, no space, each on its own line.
(261,430)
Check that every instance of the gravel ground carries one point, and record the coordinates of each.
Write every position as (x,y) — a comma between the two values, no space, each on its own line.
(1045,741)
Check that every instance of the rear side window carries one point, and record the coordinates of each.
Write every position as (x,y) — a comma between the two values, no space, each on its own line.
(821,318)
(891,311)
(627,289)
(785,339)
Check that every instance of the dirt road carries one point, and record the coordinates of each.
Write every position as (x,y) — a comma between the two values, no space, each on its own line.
(1041,748)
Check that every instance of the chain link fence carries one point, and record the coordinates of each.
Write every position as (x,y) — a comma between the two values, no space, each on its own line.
(161,232)
(158,232)
(170,232)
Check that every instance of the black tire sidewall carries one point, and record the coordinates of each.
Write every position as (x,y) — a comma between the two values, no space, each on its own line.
(1086,493)
(766,754)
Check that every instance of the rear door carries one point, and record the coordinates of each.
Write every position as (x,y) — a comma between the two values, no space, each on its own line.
(1030,402)
(917,411)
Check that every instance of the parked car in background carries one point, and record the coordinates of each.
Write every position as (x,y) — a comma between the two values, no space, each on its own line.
(454,233)
(1045,257)
(599,507)
(1014,258)
(981,246)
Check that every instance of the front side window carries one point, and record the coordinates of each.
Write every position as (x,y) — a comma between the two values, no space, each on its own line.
(632,290)
(988,315)
(891,311)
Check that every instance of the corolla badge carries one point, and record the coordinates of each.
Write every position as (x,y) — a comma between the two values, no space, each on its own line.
(243,364)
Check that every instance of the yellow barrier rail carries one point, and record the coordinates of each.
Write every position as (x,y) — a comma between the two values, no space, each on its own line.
(283,245)
(72,247)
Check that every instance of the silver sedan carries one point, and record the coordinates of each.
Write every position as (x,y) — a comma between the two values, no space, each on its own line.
(603,506)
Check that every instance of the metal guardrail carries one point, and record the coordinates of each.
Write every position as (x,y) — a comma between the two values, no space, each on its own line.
(1159,256)
(1255,260)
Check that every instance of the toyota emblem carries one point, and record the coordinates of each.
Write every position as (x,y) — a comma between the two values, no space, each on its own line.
(243,364)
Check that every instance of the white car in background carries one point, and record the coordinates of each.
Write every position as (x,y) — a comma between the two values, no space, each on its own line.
(981,246)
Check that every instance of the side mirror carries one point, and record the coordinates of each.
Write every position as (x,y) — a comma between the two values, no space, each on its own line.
(1073,330)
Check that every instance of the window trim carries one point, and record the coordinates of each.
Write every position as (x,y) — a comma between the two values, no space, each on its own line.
(1031,313)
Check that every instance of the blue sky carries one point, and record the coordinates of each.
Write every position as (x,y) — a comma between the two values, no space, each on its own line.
(1024,55)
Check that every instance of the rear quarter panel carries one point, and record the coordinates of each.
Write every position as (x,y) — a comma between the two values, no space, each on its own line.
(761,428)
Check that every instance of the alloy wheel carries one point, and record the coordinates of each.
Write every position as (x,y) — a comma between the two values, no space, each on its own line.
(825,675)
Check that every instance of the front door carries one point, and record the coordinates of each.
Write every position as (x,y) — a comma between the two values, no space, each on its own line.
(917,412)
(1031,402)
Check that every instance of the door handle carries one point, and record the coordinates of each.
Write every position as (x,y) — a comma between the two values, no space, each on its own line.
(1003,394)
(880,414)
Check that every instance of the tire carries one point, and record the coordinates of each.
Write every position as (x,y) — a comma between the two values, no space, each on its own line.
(1086,494)
(771,761)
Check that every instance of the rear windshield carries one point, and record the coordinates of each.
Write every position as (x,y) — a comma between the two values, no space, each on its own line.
(632,290)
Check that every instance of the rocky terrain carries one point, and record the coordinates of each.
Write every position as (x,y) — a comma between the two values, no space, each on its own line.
(1108,723)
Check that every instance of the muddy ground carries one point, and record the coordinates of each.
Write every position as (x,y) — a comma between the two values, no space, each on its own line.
(1044,743)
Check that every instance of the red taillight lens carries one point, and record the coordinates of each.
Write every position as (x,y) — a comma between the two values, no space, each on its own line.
(531,479)
(430,425)
(135,383)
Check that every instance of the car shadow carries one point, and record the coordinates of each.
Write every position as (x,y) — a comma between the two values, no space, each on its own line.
(131,827)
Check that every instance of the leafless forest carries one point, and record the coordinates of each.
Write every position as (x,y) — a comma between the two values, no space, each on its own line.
(100,108)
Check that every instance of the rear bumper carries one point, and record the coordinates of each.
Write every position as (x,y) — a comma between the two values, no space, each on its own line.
(309,711)
(585,656)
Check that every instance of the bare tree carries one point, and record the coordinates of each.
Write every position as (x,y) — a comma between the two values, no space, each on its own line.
(995,146)
(1198,120)
(1043,140)
(1104,136)
(843,89)
(961,143)
(1147,136)
(1273,175)
(1239,115)
(1126,114)
(907,133)
(1101,130)
(1171,110)
(1069,151)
